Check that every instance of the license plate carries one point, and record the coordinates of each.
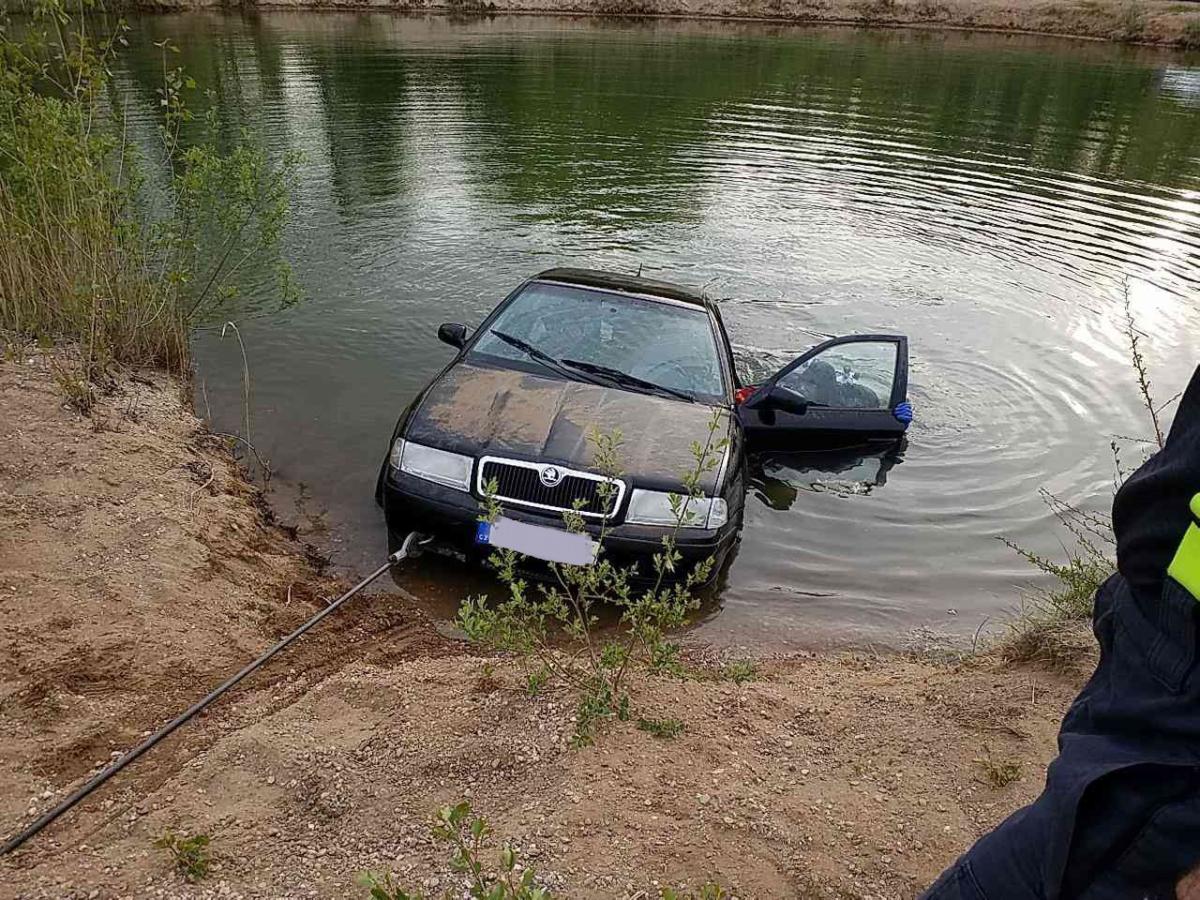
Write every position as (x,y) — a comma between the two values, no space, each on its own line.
(538,541)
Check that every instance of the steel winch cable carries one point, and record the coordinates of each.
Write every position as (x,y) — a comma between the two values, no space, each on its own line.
(112,769)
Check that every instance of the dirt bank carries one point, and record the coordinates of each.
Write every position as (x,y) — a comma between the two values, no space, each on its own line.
(136,569)
(1160,22)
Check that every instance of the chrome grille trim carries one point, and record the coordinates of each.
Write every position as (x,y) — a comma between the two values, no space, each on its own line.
(536,469)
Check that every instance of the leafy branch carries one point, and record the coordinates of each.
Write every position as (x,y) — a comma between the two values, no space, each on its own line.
(598,668)
(467,837)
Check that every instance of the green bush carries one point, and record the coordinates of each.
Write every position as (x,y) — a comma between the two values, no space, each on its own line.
(528,621)
(466,836)
(661,728)
(81,258)
(739,671)
(188,852)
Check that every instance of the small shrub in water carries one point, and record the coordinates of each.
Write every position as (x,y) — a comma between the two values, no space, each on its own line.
(1050,628)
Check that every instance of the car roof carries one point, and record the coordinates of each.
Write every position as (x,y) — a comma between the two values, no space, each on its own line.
(629,284)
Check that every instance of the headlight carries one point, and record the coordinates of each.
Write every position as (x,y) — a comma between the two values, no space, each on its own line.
(654,508)
(439,466)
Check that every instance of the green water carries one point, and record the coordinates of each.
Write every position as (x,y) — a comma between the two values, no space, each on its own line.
(991,196)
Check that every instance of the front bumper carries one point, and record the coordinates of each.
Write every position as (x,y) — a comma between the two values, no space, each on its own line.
(451,516)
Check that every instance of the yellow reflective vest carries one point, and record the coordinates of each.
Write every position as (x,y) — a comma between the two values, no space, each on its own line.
(1185,567)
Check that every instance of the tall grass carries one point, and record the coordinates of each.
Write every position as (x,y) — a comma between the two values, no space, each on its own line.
(82,259)
(71,264)
(1189,37)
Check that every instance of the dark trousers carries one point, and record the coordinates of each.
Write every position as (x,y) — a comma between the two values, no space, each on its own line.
(1119,818)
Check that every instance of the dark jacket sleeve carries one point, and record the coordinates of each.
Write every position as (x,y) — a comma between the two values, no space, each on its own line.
(1150,512)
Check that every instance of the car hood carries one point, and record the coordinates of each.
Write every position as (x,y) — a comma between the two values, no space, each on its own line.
(487,411)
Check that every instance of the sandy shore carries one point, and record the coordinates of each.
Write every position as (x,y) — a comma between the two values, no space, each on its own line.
(137,569)
(1158,22)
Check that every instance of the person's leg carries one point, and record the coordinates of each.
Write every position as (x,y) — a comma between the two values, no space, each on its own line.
(1006,864)
(1160,846)
(956,883)
(1131,836)
(1030,854)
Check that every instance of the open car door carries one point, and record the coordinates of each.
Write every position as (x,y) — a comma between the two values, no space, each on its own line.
(847,391)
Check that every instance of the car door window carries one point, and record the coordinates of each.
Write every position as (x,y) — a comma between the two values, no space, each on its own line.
(857,375)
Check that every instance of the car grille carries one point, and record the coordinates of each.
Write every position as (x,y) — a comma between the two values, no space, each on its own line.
(520,483)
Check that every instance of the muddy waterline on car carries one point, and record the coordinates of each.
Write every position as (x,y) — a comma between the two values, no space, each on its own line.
(989,196)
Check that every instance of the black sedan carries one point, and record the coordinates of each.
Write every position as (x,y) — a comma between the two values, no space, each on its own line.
(572,351)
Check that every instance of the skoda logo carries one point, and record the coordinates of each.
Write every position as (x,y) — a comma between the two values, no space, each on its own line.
(551,476)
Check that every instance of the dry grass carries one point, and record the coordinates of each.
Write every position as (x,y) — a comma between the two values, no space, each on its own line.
(1058,645)
(1131,22)
(73,258)
(1189,37)
(998,773)
(1052,627)
(82,260)
(64,272)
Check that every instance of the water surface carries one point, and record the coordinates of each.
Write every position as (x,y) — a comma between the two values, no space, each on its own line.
(990,196)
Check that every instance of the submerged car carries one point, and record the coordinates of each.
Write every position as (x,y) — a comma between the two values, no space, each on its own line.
(574,351)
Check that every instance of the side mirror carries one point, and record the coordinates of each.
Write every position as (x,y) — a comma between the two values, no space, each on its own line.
(453,334)
(788,401)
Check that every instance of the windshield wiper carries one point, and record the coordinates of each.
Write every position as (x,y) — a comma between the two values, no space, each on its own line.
(624,378)
(540,355)
(573,367)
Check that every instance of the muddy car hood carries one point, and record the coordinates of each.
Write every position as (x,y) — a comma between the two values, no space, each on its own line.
(486,411)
